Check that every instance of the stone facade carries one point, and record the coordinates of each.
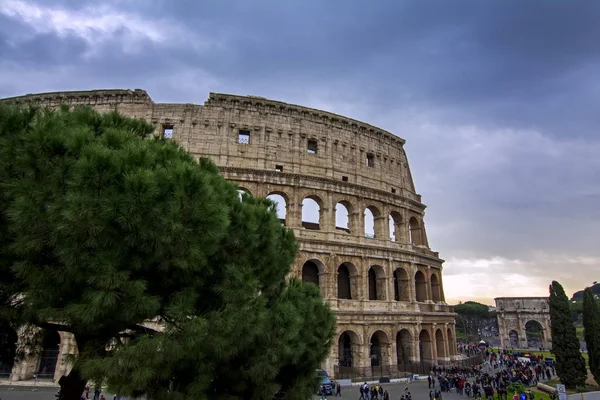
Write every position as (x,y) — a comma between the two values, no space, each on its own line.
(519,315)
(385,287)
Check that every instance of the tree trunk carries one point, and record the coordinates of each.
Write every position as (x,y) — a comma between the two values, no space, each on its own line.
(71,386)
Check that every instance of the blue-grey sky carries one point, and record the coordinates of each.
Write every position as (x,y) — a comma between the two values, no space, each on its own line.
(498,101)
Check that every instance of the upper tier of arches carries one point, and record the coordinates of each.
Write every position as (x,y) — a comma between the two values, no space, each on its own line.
(310,210)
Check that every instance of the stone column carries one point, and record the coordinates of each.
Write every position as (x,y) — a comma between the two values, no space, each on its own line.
(429,297)
(26,368)
(381,227)
(68,347)
(294,211)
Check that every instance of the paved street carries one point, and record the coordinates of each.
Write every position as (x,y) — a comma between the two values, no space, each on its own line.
(418,390)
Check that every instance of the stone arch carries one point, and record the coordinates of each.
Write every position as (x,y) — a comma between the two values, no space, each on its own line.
(348,348)
(425,346)
(243,192)
(451,344)
(534,333)
(281,205)
(415,232)
(401,285)
(513,338)
(436,289)
(420,286)
(378,348)
(312,211)
(377,282)
(395,225)
(347,281)
(403,347)
(440,345)
(49,354)
(343,212)
(311,271)
(373,222)
(9,351)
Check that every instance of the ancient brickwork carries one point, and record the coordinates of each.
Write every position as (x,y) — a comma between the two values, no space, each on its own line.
(386,286)
(524,322)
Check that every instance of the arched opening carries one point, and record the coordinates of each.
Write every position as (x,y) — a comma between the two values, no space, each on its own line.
(425,350)
(439,343)
(347,343)
(436,289)
(395,226)
(377,283)
(372,284)
(280,204)
(403,346)
(242,193)
(420,286)
(513,339)
(534,333)
(49,355)
(415,232)
(451,344)
(7,352)
(401,286)
(378,348)
(342,217)
(310,272)
(311,213)
(369,223)
(373,222)
(344,282)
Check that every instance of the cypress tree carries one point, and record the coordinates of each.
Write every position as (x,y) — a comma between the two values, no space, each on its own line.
(591,324)
(570,364)
(105,227)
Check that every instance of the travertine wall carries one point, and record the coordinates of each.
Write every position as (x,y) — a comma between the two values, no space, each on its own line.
(514,313)
(391,284)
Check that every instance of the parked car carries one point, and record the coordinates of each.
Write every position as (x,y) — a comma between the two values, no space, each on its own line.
(324,382)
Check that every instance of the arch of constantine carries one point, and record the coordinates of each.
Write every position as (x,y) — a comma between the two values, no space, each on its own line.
(346,190)
(524,322)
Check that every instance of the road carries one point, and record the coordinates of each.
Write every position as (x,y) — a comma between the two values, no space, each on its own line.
(418,390)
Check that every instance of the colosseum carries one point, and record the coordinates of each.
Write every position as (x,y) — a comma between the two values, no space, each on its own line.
(346,190)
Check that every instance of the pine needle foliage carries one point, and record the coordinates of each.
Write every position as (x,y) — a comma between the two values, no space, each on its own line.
(591,325)
(570,364)
(105,227)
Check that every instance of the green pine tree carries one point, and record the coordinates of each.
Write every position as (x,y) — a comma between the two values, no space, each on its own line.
(570,365)
(106,227)
(591,324)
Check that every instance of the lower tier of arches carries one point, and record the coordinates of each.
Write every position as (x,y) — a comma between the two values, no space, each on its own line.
(390,346)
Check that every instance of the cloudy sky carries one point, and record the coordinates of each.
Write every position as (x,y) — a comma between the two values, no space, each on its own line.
(498,102)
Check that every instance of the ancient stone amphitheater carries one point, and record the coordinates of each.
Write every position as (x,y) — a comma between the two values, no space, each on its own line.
(346,190)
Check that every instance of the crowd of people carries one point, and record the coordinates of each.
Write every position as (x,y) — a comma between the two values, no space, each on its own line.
(494,376)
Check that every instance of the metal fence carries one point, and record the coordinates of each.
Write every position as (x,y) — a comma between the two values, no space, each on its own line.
(5,371)
(403,370)
(47,365)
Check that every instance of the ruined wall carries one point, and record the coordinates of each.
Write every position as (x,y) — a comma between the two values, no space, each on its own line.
(392,281)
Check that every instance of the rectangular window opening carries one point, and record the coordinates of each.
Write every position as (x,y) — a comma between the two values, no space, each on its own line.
(345,178)
(312,146)
(243,136)
(167,131)
(393,190)
(370,160)
(279,168)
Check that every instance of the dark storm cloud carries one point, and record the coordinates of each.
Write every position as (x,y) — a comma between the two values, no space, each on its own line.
(497,99)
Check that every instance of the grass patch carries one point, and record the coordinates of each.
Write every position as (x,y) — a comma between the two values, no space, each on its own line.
(539,395)
(547,354)
(579,330)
